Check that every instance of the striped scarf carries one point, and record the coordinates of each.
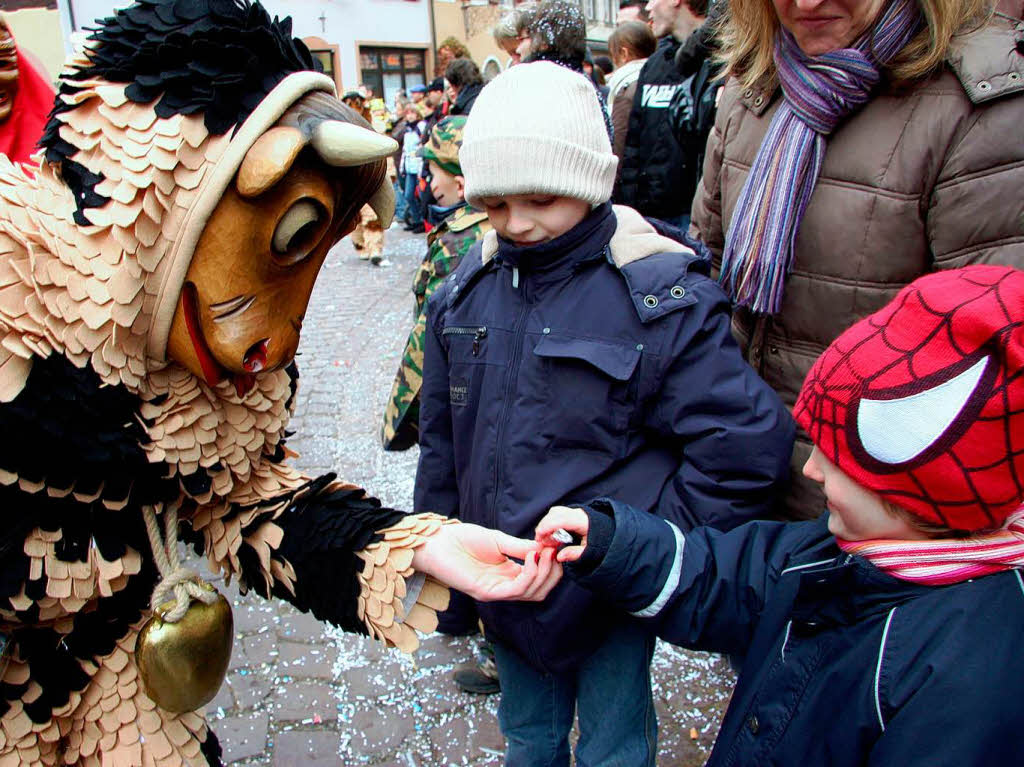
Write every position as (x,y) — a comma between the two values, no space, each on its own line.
(946,560)
(820,91)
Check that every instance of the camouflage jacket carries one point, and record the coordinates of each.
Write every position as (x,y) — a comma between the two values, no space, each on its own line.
(446,245)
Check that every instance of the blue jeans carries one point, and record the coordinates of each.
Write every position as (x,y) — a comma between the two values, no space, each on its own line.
(400,203)
(413,212)
(612,689)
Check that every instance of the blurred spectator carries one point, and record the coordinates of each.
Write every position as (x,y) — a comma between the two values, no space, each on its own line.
(656,176)
(903,163)
(556,32)
(451,48)
(412,164)
(630,45)
(632,10)
(512,28)
(26,98)
(464,85)
(605,64)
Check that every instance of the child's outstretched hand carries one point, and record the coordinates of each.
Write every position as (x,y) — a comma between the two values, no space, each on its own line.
(479,562)
(573,521)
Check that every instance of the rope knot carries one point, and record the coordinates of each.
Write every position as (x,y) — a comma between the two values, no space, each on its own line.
(177,583)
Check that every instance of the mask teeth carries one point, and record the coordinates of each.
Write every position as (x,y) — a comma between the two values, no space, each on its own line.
(256,357)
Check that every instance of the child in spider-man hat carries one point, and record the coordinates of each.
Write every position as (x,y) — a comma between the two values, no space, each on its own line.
(888,632)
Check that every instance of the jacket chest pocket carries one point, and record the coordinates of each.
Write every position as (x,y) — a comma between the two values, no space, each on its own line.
(477,356)
(591,393)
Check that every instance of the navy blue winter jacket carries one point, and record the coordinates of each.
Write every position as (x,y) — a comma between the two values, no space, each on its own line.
(844,664)
(592,365)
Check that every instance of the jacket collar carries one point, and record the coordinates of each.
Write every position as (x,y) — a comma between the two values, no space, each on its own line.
(583,242)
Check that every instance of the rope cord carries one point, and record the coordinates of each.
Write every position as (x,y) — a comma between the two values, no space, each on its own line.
(177,582)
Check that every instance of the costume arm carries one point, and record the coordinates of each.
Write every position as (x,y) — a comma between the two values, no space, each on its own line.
(329,549)
(734,435)
(974,214)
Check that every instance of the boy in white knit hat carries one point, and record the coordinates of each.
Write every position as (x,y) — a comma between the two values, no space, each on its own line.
(576,353)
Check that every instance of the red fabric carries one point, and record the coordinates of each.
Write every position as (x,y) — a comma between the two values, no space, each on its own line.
(20,133)
(883,389)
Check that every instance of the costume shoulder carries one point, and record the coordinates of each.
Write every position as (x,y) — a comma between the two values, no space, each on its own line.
(988,60)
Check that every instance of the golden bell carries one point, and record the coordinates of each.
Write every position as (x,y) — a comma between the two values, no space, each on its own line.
(182,665)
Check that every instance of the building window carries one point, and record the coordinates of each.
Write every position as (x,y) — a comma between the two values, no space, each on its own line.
(325,58)
(492,68)
(388,69)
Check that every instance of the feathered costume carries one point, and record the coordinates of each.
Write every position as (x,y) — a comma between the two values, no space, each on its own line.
(153,125)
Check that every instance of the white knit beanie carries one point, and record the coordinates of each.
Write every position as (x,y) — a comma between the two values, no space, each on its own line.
(537,129)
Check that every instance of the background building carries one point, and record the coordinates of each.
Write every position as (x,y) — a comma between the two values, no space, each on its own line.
(382,43)
(36,29)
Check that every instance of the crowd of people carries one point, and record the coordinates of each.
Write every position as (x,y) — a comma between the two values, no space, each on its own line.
(727,327)
(668,373)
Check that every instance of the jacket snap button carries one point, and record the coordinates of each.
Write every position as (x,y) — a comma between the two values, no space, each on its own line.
(639,347)
(758,101)
(650,301)
(984,85)
(455,289)
(753,724)
(677,291)
(774,349)
(748,93)
(546,331)
(1015,76)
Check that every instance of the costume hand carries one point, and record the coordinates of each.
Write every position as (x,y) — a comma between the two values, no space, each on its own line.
(574,520)
(476,561)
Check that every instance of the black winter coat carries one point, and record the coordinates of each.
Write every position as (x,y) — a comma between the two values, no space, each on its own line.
(589,366)
(659,175)
(845,665)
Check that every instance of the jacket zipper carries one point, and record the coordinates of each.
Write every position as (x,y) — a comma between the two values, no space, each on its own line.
(478,333)
(506,408)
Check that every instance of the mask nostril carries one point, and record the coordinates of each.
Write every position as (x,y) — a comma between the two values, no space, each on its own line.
(255,358)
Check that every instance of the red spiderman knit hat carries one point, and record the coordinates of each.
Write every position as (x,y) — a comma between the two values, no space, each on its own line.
(923,401)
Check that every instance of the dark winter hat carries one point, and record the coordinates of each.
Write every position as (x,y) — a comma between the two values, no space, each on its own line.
(437,84)
(923,401)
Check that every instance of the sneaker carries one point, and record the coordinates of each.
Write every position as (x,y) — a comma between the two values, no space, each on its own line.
(480,677)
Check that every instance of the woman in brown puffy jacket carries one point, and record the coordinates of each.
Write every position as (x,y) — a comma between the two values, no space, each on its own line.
(858,145)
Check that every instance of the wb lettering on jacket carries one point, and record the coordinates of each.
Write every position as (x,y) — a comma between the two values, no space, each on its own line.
(657,96)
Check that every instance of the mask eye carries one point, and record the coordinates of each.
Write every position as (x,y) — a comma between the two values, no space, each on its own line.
(299,230)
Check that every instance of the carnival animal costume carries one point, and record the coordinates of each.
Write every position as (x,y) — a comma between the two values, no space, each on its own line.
(154,273)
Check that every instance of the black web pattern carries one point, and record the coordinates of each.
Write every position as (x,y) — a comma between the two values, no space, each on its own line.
(977,462)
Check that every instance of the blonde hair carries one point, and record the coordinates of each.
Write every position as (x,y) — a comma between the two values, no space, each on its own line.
(747,32)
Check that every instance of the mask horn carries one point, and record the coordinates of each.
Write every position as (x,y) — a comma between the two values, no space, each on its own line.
(345,145)
(383,203)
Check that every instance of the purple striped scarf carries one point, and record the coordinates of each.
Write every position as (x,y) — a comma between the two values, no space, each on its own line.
(820,91)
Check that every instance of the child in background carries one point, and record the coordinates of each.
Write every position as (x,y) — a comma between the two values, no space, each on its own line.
(458,226)
(576,352)
(887,631)
(412,163)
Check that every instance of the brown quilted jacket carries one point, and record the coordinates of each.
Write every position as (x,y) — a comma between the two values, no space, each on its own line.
(930,177)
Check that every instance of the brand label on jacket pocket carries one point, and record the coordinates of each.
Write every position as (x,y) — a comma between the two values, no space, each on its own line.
(458,391)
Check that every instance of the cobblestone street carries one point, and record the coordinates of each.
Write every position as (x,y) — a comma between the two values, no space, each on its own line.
(301,693)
